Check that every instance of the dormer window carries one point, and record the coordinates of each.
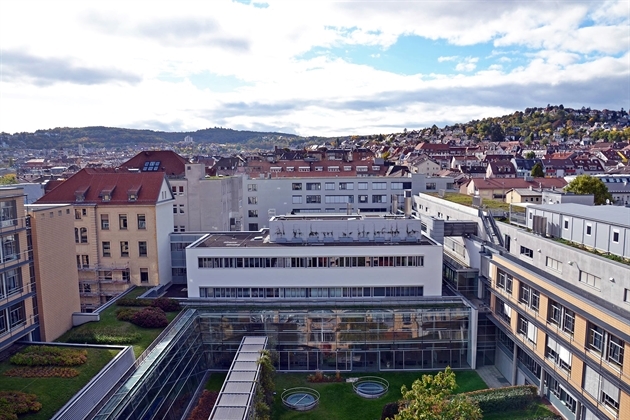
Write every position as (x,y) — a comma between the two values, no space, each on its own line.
(107,197)
(132,194)
(133,197)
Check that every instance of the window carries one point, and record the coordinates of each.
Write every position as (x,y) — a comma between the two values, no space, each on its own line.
(85,261)
(330,185)
(181,209)
(313,199)
(297,199)
(105,221)
(379,185)
(252,187)
(9,249)
(431,186)
(181,190)
(76,235)
(331,199)
(527,329)
(363,199)
(296,186)
(252,200)
(529,296)
(142,248)
(8,213)
(566,224)
(607,345)
(527,252)
(590,279)
(362,168)
(601,388)
(122,221)
(616,237)
(553,264)
(252,213)
(346,185)
(559,354)
(77,214)
(84,235)
(562,317)
(312,186)
(10,283)
(504,281)
(124,249)
(142,221)
(379,198)
(144,275)
(626,295)
(85,288)
(560,393)
(174,208)
(363,185)
(503,310)
(589,228)
(107,250)
(253,227)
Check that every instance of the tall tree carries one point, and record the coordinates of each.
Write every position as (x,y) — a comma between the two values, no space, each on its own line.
(586,184)
(537,171)
(431,398)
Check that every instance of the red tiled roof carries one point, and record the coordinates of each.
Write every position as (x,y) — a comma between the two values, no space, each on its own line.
(93,184)
(169,162)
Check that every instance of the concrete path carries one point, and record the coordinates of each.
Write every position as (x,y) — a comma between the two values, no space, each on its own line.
(492,377)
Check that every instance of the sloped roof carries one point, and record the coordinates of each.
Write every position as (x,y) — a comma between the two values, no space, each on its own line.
(167,161)
(90,185)
(507,183)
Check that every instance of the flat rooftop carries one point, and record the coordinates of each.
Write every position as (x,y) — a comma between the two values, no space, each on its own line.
(336,216)
(616,215)
(261,240)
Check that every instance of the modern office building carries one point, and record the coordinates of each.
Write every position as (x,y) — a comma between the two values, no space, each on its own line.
(121,225)
(18,301)
(560,310)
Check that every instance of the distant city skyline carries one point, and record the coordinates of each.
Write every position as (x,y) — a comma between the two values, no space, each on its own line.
(305,67)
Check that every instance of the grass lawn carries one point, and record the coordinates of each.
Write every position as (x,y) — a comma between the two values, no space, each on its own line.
(466,200)
(53,393)
(535,410)
(215,382)
(108,320)
(339,402)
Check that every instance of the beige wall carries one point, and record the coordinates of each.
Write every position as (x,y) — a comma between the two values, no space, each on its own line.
(55,268)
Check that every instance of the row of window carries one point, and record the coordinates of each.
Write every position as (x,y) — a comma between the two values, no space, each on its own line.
(123,223)
(589,231)
(313,262)
(124,248)
(12,318)
(309,292)
(178,209)
(317,186)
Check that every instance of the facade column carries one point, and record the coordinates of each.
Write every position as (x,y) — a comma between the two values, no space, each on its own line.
(514,364)
(541,388)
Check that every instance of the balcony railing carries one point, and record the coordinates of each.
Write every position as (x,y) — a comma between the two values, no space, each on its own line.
(15,294)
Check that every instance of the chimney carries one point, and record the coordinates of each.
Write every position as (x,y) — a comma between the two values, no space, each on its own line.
(407,203)
(348,209)
(394,204)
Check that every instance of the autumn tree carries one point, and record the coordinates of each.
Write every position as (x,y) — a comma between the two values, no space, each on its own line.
(431,398)
(586,184)
(537,171)
(8,179)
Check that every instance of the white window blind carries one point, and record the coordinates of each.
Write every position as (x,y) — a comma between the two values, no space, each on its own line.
(591,381)
(532,332)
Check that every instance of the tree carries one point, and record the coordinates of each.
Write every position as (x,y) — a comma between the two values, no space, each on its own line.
(431,398)
(586,184)
(530,155)
(8,179)
(537,171)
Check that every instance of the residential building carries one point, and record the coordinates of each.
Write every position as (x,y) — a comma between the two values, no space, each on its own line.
(496,188)
(121,225)
(56,275)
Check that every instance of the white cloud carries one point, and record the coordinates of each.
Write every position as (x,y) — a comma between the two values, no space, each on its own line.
(122,56)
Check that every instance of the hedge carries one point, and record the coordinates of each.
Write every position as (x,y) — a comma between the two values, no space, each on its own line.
(125,314)
(49,356)
(166,304)
(13,403)
(42,372)
(496,400)
(133,302)
(150,318)
(104,336)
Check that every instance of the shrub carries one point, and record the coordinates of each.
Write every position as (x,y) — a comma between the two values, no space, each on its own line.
(166,304)
(150,318)
(49,356)
(42,372)
(125,314)
(502,399)
(204,406)
(389,410)
(13,403)
(133,302)
(103,336)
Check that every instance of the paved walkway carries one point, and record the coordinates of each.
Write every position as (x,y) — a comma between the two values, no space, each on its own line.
(492,377)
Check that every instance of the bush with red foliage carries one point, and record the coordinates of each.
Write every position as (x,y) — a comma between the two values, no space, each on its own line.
(166,304)
(13,403)
(150,318)
(204,406)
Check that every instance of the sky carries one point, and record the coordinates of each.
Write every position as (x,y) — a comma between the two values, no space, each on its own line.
(306,67)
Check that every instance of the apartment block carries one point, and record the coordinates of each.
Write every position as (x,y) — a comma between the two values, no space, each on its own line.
(121,225)
(55,267)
